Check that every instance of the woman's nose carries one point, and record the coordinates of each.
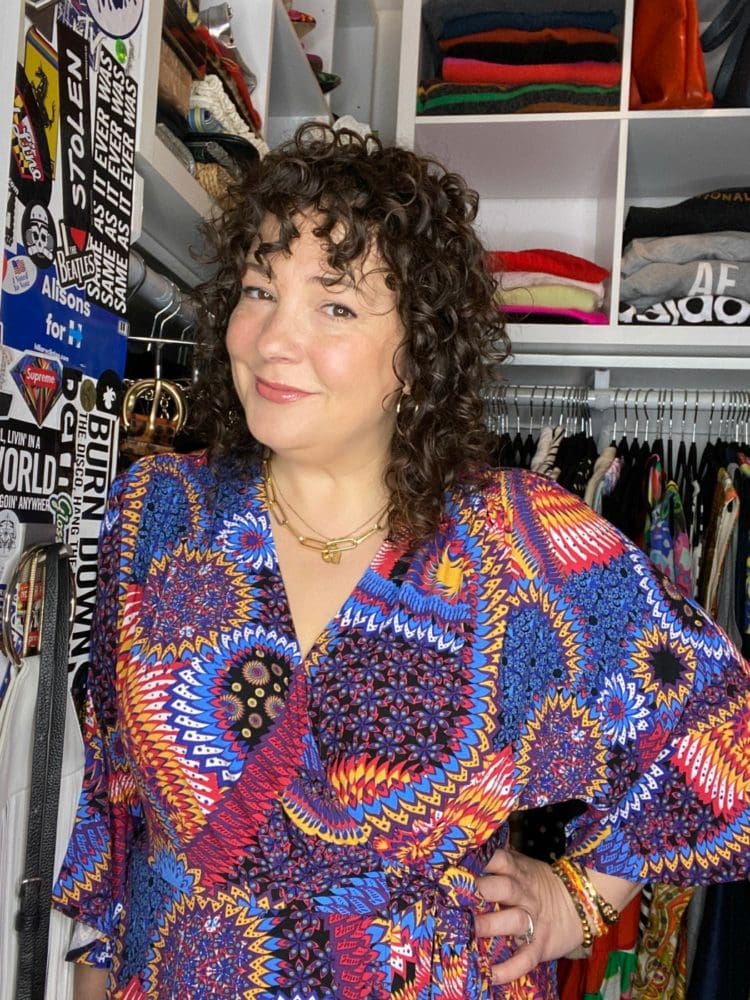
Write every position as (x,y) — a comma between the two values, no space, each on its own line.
(278,336)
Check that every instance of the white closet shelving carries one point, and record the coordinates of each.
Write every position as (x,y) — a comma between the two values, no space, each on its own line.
(172,204)
(354,38)
(566,181)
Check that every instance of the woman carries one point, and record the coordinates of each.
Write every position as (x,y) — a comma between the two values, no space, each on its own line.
(334,651)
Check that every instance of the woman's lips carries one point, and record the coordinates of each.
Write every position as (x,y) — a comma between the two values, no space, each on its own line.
(275,392)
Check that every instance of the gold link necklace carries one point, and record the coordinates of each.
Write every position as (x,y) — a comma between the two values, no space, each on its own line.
(330,548)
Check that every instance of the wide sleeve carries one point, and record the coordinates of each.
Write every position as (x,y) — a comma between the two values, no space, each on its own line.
(91,883)
(617,691)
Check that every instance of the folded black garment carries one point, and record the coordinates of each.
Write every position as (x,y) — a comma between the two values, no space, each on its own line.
(693,310)
(487,20)
(530,53)
(710,212)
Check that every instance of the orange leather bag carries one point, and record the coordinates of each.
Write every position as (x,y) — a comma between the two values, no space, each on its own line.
(667,69)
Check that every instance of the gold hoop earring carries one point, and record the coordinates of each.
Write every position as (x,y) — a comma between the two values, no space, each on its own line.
(397,413)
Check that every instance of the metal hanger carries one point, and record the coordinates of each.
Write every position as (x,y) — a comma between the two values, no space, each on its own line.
(156,391)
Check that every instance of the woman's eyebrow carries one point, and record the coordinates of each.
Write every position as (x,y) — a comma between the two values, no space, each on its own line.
(255,268)
(330,280)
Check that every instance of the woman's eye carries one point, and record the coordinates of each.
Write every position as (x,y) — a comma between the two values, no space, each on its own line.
(339,311)
(254,292)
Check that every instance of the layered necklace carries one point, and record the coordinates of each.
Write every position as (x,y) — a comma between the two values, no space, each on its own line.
(330,548)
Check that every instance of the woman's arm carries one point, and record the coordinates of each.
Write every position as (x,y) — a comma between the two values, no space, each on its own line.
(89,983)
(528,888)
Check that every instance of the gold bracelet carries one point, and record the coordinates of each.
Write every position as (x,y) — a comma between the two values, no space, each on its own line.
(609,914)
(563,875)
(594,912)
(574,879)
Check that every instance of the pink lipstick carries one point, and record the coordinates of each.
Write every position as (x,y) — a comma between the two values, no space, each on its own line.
(276,392)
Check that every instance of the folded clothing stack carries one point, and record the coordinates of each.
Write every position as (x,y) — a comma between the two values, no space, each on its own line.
(688,264)
(506,62)
(548,286)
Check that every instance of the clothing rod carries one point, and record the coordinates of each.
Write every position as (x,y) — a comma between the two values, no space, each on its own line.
(159,293)
(622,399)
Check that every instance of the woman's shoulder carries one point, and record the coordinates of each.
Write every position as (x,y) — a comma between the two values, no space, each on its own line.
(161,499)
(552,531)
(166,476)
(157,470)
(514,490)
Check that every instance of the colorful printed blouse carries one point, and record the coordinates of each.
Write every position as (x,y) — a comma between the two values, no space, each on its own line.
(257,825)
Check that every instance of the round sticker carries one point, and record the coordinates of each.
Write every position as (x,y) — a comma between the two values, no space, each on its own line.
(88,395)
(19,276)
(118,20)
(38,234)
(108,391)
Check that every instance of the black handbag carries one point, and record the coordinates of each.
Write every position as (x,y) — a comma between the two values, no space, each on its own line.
(731,87)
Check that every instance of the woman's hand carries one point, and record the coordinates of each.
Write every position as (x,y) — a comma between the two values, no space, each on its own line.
(531,895)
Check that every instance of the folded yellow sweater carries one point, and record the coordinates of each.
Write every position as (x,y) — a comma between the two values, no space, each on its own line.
(555,296)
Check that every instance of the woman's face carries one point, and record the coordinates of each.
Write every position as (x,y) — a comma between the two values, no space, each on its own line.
(312,362)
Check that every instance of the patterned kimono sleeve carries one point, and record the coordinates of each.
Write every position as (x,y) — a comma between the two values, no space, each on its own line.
(91,881)
(626,697)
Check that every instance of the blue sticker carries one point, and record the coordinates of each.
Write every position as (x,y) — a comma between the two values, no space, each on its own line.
(62,322)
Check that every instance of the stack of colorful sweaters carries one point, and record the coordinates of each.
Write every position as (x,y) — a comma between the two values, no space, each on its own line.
(506,62)
(548,286)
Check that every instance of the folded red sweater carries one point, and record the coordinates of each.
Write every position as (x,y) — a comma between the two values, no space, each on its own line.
(550,261)
(478,71)
(573,36)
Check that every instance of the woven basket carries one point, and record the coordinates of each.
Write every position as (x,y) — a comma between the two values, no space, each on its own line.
(174,79)
(215,179)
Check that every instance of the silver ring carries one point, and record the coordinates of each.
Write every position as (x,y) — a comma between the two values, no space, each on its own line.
(528,937)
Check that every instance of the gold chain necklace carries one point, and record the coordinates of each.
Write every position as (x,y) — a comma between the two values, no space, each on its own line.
(330,548)
(282,496)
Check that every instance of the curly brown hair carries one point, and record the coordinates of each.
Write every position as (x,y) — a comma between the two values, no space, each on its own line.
(418,217)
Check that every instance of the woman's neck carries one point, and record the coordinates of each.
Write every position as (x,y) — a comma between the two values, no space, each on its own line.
(333,501)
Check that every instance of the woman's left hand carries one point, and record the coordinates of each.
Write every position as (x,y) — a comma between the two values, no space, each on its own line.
(533,899)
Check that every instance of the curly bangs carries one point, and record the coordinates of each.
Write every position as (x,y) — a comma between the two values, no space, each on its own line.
(417,218)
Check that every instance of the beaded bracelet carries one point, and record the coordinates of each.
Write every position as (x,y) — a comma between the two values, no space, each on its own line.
(593,910)
(608,913)
(577,897)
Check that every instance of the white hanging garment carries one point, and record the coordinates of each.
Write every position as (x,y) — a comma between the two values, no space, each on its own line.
(16,738)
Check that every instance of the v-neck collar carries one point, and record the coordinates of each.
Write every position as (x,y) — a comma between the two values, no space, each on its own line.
(321,642)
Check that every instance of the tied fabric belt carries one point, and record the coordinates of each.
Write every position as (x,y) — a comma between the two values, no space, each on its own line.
(418,922)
